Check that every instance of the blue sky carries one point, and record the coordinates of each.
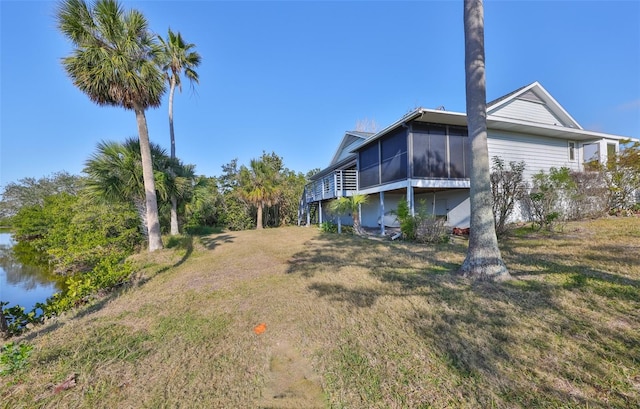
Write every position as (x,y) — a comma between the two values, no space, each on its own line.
(293,76)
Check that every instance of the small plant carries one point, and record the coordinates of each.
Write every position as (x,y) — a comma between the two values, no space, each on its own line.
(14,357)
(407,222)
(328,227)
(422,227)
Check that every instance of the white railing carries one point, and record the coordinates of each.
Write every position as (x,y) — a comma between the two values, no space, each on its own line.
(336,184)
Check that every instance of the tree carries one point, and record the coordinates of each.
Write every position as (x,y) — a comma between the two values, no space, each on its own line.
(483,260)
(115,63)
(351,204)
(177,57)
(340,207)
(116,175)
(507,188)
(259,183)
(31,192)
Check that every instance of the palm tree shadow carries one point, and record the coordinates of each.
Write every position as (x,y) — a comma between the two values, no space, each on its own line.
(211,242)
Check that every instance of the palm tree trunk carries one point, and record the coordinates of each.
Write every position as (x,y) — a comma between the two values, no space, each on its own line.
(483,259)
(259,217)
(175,229)
(171,134)
(141,208)
(153,223)
(356,222)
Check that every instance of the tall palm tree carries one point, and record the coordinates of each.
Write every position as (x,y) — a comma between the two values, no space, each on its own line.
(259,185)
(483,260)
(176,58)
(115,63)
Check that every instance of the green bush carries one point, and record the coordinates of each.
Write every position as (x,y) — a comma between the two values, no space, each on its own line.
(407,222)
(76,233)
(14,357)
(328,227)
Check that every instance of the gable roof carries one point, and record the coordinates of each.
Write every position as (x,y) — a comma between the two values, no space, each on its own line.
(350,141)
(532,103)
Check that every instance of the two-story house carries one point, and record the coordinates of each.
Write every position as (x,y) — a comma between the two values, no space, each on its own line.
(424,156)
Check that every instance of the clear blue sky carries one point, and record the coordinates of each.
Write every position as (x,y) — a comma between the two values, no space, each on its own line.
(292,76)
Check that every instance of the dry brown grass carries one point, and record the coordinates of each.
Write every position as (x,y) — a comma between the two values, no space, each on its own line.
(354,323)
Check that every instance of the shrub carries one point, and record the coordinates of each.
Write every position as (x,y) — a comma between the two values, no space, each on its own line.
(507,188)
(14,357)
(329,227)
(422,227)
(549,197)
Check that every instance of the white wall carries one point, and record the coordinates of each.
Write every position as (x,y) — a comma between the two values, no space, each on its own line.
(453,203)
(537,152)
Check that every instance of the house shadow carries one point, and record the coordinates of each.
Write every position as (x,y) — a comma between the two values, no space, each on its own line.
(473,326)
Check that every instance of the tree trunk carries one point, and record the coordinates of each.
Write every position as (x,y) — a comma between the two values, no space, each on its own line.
(153,223)
(175,229)
(259,217)
(172,90)
(356,222)
(483,261)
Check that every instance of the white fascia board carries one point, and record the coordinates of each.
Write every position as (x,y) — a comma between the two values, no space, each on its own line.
(545,96)
(552,131)
(552,102)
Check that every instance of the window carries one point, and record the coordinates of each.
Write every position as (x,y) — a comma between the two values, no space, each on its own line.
(430,151)
(591,152)
(369,170)
(393,150)
(572,151)
(611,152)
(459,154)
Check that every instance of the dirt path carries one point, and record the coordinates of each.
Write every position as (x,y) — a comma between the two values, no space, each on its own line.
(291,382)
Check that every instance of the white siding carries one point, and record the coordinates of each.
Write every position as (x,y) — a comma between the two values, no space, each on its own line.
(537,152)
(454,203)
(527,111)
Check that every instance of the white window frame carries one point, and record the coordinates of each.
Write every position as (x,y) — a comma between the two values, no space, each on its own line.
(572,147)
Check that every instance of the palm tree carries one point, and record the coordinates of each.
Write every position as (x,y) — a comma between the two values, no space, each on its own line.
(343,205)
(115,63)
(340,207)
(116,175)
(177,57)
(483,259)
(356,201)
(259,185)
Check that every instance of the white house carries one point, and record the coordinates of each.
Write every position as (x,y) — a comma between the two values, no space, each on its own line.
(424,156)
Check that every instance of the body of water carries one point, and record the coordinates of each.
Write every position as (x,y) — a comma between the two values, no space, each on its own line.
(23,284)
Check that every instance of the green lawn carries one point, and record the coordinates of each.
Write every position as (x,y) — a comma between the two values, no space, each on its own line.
(353,323)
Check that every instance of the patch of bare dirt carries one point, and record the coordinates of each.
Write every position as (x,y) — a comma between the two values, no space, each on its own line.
(291,381)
